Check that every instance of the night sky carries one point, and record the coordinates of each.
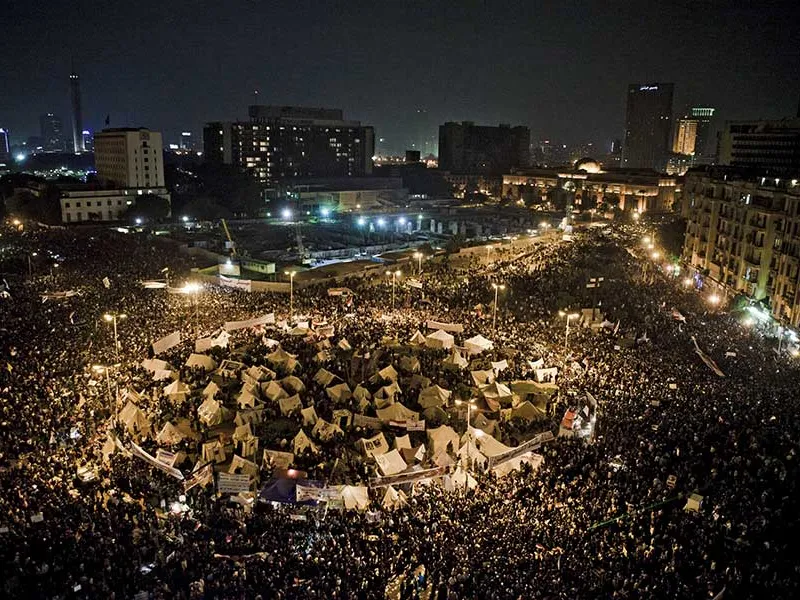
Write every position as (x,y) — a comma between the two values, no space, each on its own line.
(405,67)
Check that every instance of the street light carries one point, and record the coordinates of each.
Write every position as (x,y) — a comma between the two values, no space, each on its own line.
(687,282)
(569,317)
(394,275)
(470,407)
(112,318)
(714,299)
(418,256)
(112,405)
(656,255)
(193,288)
(291,275)
(497,288)
(30,267)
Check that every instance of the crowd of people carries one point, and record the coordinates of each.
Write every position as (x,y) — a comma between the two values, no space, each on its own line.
(599,517)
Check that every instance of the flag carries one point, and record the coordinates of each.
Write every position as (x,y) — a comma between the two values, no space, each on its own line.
(106,282)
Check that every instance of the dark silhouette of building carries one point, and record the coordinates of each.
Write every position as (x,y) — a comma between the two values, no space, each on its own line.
(52,133)
(289,142)
(77,114)
(648,126)
(468,148)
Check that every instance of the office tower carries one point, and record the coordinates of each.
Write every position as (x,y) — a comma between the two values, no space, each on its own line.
(52,133)
(77,115)
(703,115)
(468,148)
(685,136)
(648,126)
(88,140)
(766,145)
(5,151)
(130,158)
(290,142)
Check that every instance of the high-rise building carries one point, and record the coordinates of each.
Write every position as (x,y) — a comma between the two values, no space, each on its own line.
(290,142)
(77,114)
(648,125)
(768,145)
(88,140)
(186,141)
(704,116)
(52,133)
(129,158)
(468,148)
(685,137)
(5,150)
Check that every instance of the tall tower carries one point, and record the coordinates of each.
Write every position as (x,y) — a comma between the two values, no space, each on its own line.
(648,125)
(77,115)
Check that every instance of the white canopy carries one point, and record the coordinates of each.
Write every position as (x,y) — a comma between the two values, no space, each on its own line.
(495,391)
(177,391)
(273,391)
(302,442)
(528,412)
(325,431)
(482,377)
(282,358)
(478,344)
(355,497)
(210,412)
(324,377)
(136,422)
(440,438)
(388,374)
(202,361)
(211,390)
(388,392)
(440,339)
(393,499)
(417,338)
(397,412)
(455,360)
(169,435)
(469,454)
(309,416)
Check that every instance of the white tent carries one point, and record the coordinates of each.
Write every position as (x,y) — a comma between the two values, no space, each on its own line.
(458,480)
(361,393)
(393,499)
(434,396)
(155,364)
(290,405)
(478,344)
(482,377)
(528,412)
(302,443)
(442,439)
(387,374)
(323,356)
(488,445)
(134,419)
(439,340)
(202,361)
(402,441)
(177,391)
(500,365)
(169,435)
(294,384)
(213,450)
(246,398)
(324,377)
(273,391)
(409,364)
(211,390)
(397,412)
(390,463)
(325,431)
(339,393)
(417,339)
(260,374)
(243,466)
(419,381)
(388,392)
(309,416)
(374,445)
(242,433)
(355,497)
(469,454)
(210,412)
(496,391)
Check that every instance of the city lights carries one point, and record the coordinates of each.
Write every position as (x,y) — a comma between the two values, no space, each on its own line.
(286,214)
(361,221)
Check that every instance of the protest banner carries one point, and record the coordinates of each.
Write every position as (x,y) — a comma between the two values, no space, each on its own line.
(412,477)
(245,285)
(265,320)
(532,444)
(233,483)
(167,342)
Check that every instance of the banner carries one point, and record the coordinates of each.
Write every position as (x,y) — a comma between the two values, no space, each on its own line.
(409,425)
(414,283)
(245,285)
(364,421)
(139,452)
(167,342)
(452,327)
(202,476)
(265,320)
(233,483)
(375,445)
(401,478)
(709,362)
(548,375)
(166,457)
(343,291)
(532,444)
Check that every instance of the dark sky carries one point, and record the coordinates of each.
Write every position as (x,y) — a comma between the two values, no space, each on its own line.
(559,67)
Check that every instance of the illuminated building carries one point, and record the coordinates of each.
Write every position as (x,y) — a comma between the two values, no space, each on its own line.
(703,115)
(685,137)
(743,233)
(88,140)
(766,145)
(77,114)
(5,152)
(477,149)
(648,125)
(289,142)
(129,158)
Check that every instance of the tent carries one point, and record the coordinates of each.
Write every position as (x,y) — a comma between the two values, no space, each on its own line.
(442,439)
(134,419)
(154,364)
(418,381)
(397,412)
(455,360)
(211,390)
(374,445)
(355,497)
(281,358)
(302,443)
(388,392)
(469,454)
(361,393)
(486,425)
(290,405)
(417,339)
(309,416)
(169,435)
(478,344)
(439,340)
(528,412)
(390,463)
(402,441)
(434,414)
(275,459)
(210,412)
(434,396)
(495,393)
(260,374)
(339,393)
(322,356)
(488,445)
(273,391)
(213,450)
(242,433)
(243,466)
(177,391)
(393,499)
(386,374)
(202,361)
(324,377)
(482,377)
(294,384)
(325,431)
(230,369)
(498,366)
(409,364)
(246,398)
(459,480)
(344,345)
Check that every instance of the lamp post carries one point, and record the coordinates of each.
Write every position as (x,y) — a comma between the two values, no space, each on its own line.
(418,256)
(30,266)
(291,275)
(193,288)
(569,317)
(394,275)
(497,287)
(112,318)
(470,405)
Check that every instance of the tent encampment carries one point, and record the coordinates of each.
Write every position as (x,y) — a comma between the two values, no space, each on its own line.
(302,443)
(417,339)
(169,435)
(390,463)
(455,360)
(397,412)
(177,391)
(339,393)
(478,344)
(434,396)
(136,422)
(202,361)
(442,439)
(440,340)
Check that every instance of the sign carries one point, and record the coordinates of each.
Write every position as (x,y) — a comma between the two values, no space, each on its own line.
(140,453)
(375,445)
(532,444)
(452,327)
(401,478)
(341,291)
(233,483)
(202,476)
(246,285)
(265,320)
(166,457)
(167,342)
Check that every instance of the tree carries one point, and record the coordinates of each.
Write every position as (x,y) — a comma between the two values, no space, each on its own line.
(149,207)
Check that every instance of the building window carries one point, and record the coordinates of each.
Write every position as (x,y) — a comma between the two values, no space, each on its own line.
(69,217)
(66,204)
(78,205)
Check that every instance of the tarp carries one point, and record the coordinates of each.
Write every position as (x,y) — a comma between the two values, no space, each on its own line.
(290,405)
(528,412)
(434,396)
(393,499)
(478,344)
(442,439)
(482,377)
(326,431)
(409,364)
(265,320)
(273,391)
(455,360)
(202,361)
(167,342)
(355,497)
(177,391)
(324,377)
(309,416)
(302,442)
(134,419)
(453,327)
(390,463)
(440,340)
(154,364)
(205,344)
(397,412)
(339,393)
(279,490)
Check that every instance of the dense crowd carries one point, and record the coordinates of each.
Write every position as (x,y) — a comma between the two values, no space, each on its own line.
(599,518)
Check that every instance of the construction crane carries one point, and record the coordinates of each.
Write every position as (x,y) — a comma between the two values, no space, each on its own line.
(231,243)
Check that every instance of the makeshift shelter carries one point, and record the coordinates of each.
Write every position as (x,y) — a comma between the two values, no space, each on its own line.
(486,425)
(393,499)
(442,439)
(495,394)
(390,463)
(478,344)
(434,414)
(322,356)
(498,366)
(417,339)
(273,391)
(211,390)
(155,364)
(374,445)
(388,392)
(402,441)
(458,480)
(260,374)
(528,412)
(290,405)
(294,384)
(386,374)
(210,412)
(469,455)
(418,381)
(202,361)
(246,398)
(339,393)
(409,364)
(213,451)
(433,396)
(355,497)
(397,412)
(169,435)
(275,459)
(440,340)
(282,359)
(324,377)
(325,431)
(177,391)
(230,369)
(242,432)
(361,393)
(309,416)
(302,443)
(136,422)
(243,466)
(482,377)
(455,361)
(344,345)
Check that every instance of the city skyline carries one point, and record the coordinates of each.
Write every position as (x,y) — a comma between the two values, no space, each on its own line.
(403,69)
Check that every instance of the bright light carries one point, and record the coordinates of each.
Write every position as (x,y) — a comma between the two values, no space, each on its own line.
(669,268)
(656,255)
(498,287)
(381,221)
(290,273)
(138,220)
(361,221)
(191,288)
(286,214)
(19,157)
(714,299)
(16,222)
(687,282)
(401,220)
(794,352)
(748,322)
(544,225)
(636,216)
(325,213)
(646,239)
(185,218)
(757,313)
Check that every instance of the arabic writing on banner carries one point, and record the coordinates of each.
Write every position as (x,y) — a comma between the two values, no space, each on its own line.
(407,477)
(452,327)
(167,342)
(532,444)
(240,284)
(265,320)
(363,421)
(141,453)
(233,483)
